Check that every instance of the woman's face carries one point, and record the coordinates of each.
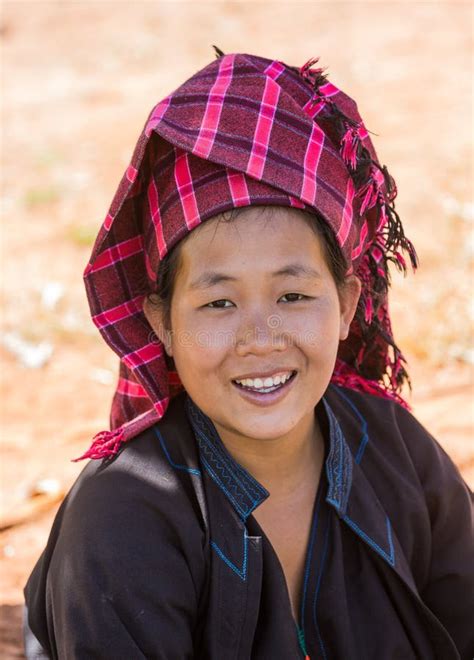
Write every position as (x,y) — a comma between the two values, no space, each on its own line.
(254,298)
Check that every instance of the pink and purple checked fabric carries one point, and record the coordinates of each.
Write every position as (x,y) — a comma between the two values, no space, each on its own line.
(244,130)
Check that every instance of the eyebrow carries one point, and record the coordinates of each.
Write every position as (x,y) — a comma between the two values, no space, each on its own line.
(210,278)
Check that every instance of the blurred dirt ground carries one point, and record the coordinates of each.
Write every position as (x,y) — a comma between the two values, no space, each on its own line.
(78,80)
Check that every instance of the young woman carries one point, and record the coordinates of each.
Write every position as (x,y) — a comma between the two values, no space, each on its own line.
(263,492)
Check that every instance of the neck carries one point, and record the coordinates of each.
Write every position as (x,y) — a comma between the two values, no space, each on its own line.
(282,465)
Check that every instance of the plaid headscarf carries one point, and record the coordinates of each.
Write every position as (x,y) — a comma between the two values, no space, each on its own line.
(243,131)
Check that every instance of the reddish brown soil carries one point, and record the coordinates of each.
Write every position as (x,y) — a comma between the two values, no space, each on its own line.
(78,81)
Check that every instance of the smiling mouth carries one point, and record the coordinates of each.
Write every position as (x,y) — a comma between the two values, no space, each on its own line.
(265,390)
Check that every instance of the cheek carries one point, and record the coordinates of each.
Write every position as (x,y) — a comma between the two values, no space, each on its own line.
(198,344)
(320,325)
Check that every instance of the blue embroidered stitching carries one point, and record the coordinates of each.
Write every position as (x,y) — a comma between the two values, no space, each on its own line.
(338,465)
(206,447)
(318,584)
(365,436)
(228,480)
(168,457)
(241,572)
(204,430)
(308,560)
(388,557)
(240,510)
(207,450)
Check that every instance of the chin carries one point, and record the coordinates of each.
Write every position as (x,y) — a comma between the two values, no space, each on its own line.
(261,430)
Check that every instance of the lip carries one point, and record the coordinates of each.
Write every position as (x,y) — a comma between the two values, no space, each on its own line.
(269,399)
(265,374)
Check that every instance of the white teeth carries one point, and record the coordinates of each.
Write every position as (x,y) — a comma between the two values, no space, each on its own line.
(259,383)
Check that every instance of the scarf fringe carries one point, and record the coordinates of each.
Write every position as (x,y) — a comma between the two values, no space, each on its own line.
(349,146)
(378,366)
(218,52)
(345,376)
(315,77)
(104,445)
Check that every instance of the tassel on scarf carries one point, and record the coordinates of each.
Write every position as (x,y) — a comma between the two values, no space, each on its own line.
(396,239)
(382,213)
(390,184)
(107,444)
(104,445)
(401,260)
(349,143)
(218,52)
(368,311)
(371,189)
(314,76)
(345,376)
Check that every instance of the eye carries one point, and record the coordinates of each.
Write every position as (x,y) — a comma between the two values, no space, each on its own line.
(215,304)
(300,297)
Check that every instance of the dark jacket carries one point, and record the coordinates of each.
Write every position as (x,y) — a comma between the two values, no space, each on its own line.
(156,554)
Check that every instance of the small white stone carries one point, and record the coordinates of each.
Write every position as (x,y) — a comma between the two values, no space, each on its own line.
(30,355)
(102,376)
(51,294)
(46,487)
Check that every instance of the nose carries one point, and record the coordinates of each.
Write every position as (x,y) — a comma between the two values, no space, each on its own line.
(260,334)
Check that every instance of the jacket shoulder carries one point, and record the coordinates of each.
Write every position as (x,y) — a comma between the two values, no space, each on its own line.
(418,486)
(156,472)
(378,427)
(129,544)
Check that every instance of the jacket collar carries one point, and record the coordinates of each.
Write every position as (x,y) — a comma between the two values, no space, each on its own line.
(243,491)
(349,491)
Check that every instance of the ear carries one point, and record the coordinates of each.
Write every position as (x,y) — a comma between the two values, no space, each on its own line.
(349,295)
(154,315)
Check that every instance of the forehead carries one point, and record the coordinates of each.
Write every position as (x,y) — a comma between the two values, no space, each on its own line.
(257,238)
